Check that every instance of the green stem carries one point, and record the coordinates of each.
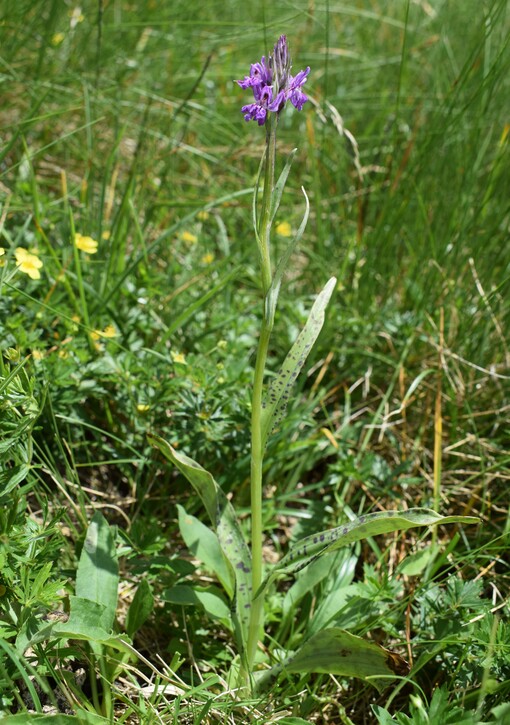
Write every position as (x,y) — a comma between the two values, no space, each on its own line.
(257,444)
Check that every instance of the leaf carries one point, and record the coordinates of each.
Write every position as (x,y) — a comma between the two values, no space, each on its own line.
(86,622)
(140,608)
(223,518)
(97,578)
(203,543)
(11,477)
(414,564)
(343,563)
(382,522)
(204,597)
(279,389)
(337,652)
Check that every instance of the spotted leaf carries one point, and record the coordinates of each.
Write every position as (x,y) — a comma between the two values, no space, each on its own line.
(280,388)
(337,652)
(311,547)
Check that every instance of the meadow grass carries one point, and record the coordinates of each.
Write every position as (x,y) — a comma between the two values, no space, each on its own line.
(122,122)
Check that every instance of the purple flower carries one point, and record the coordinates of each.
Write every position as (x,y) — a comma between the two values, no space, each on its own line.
(273,85)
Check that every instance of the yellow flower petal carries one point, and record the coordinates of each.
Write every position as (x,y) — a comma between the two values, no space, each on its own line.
(188,237)
(284,229)
(178,357)
(207,258)
(142,407)
(109,331)
(85,244)
(28,263)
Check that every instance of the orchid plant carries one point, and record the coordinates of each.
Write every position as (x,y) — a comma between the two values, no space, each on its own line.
(240,568)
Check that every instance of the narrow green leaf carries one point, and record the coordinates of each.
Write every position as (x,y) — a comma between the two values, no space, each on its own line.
(11,477)
(203,543)
(382,522)
(279,389)
(140,608)
(337,652)
(97,578)
(223,518)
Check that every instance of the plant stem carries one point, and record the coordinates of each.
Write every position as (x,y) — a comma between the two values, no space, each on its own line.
(257,446)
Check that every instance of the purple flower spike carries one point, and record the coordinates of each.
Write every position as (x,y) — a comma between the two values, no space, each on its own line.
(273,85)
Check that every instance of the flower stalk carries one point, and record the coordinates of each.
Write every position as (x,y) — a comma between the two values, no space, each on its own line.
(272,86)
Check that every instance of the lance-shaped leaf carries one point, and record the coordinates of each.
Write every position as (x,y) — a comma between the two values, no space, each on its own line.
(223,518)
(337,652)
(382,522)
(279,389)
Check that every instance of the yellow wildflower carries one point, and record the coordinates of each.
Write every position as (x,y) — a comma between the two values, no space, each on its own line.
(109,331)
(142,407)
(86,244)
(207,258)
(284,229)
(2,252)
(106,235)
(37,354)
(57,38)
(178,357)
(188,237)
(28,263)
(203,216)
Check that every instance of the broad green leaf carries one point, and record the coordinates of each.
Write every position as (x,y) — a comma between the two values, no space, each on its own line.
(280,388)
(140,608)
(337,652)
(223,518)
(382,522)
(86,622)
(203,543)
(205,598)
(97,577)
